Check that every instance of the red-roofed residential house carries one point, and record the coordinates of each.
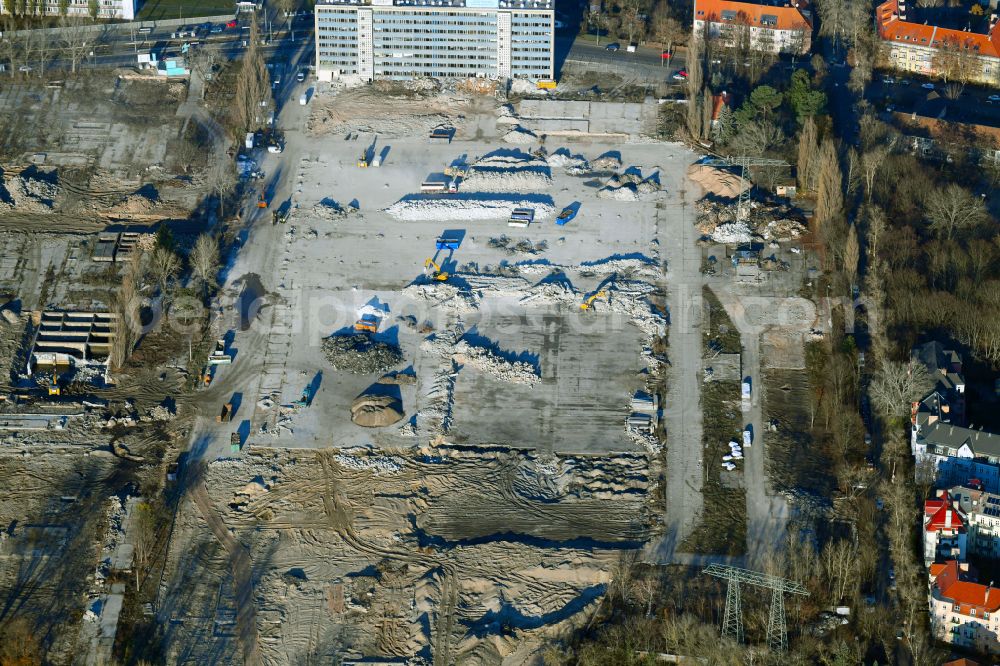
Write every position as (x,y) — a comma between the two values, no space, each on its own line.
(945,531)
(932,50)
(963,612)
(781,27)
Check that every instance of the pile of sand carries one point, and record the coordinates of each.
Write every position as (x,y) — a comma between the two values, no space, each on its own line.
(376,411)
(717,181)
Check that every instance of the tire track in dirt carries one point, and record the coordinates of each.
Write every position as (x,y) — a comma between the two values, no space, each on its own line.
(239,566)
(445,619)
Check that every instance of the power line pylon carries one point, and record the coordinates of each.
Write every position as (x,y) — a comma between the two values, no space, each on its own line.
(744,163)
(732,622)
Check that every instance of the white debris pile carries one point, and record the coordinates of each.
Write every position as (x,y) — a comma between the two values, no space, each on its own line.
(631,298)
(562,159)
(630,186)
(437,397)
(378,465)
(637,265)
(31,191)
(488,361)
(522,87)
(732,232)
(520,135)
(506,173)
(464,208)
(607,162)
(506,115)
(553,291)
(443,295)
(328,209)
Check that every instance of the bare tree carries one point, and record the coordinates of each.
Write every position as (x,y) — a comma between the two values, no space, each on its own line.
(808,149)
(757,136)
(840,559)
(871,163)
(205,260)
(851,253)
(74,41)
(829,190)
(665,28)
(164,265)
(952,208)
(631,21)
(222,180)
(253,85)
(896,385)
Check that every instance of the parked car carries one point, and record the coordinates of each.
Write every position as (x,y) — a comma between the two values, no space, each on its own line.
(216,29)
(613,47)
(680,76)
(993,98)
(301,76)
(232,24)
(928,86)
(888,80)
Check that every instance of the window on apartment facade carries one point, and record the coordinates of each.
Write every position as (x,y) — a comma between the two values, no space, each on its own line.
(728,15)
(769,20)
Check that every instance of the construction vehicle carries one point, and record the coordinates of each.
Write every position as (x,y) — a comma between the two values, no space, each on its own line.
(447,243)
(440,134)
(368,323)
(521,217)
(219,355)
(226,415)
(306,398)
(588,303)
(455,171)
(363,160)
(54,388)
(261,201)
(546,84)
(433,186)
(437,274)
(206,375)
(234,443)
(279,217)
(565,216)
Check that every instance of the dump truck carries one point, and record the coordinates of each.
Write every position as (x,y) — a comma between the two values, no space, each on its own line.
(226,415)
(261,201)
(745,395)
(447,243)
(219,356)
(279,217)
(521,217)
(368,323)
(566,215)
(234,443)
(440,134)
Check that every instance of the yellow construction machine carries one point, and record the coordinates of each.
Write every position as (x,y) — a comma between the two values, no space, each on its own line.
(588,303)
(54,388)
(438,275)
(363,160)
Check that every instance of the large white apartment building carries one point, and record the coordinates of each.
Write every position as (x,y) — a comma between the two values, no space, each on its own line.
(106,9)
(779,27)
(402,39)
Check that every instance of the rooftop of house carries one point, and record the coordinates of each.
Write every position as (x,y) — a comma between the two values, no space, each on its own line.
(893,26)
(964,661)
(777,15)
(940,514)
(943,435)
(955,583)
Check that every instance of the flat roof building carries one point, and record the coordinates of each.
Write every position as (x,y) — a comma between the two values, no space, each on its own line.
(106,9)
(405,39)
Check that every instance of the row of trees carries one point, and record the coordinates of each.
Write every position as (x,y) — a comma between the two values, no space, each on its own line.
(637,20)
(73,43)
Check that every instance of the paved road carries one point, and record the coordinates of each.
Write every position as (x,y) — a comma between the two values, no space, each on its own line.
(683,409)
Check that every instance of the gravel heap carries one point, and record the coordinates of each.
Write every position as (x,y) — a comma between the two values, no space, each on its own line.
(491,363)
(360,355)
(520,135)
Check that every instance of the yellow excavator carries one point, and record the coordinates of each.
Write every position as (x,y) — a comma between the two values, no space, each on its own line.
(54,388)
(438,275)
(588,303)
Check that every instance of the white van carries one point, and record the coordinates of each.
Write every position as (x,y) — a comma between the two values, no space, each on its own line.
(303,98)
(630,48)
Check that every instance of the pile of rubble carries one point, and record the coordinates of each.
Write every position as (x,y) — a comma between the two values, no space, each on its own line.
(507,173)
(520,135)
(763,223)
(328,209)
(488,361)
(30,191)
(630,186)
(360,354)
(376,464)
(466,208)
(134,204)
(523,246)
(607,162)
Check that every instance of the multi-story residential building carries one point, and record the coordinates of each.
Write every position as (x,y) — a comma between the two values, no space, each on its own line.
(928,49)
(945,533)
(946,402)
(106,9)
(963,612)
(982,518)
(403,39)
(951,455)
(779,27)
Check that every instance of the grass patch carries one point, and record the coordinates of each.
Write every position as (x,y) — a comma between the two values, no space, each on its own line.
(156,10)
(723,528)
(721,336)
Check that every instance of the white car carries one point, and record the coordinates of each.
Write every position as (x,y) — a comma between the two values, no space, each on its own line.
(993,98)
(928,86)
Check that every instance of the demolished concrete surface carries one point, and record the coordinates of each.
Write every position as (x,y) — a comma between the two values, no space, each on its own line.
(469,506)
